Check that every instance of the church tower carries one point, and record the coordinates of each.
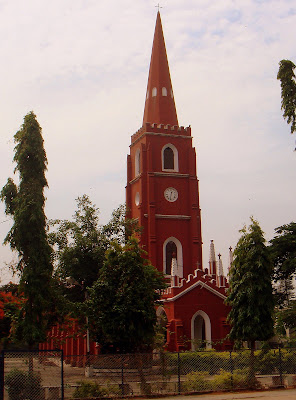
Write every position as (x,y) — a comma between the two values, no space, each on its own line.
(162,186)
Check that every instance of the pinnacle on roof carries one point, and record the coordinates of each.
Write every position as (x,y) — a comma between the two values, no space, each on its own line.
(212,252)
(220,266)
(160,105)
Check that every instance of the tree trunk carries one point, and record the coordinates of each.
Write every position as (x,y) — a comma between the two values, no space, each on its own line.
(145,387)
(252,381)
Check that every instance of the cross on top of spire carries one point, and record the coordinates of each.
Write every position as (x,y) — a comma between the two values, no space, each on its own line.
(158,6)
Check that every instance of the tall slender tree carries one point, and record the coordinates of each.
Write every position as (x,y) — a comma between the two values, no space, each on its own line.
(250,288)
(250,292)
(25,203)
(288,85)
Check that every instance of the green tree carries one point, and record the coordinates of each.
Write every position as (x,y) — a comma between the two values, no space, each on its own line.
(79,249)
(80,246)
(288,91)
(250,288)
(28,236)
(120,227)
(121,304)
(283,254)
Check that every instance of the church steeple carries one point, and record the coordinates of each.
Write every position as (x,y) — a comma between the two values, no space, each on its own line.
(160,105)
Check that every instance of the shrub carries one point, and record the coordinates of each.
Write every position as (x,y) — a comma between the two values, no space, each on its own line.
(238,380)
(88,389)
(288,361)
(267,361)
(208,360)
(22,385)
(196,381)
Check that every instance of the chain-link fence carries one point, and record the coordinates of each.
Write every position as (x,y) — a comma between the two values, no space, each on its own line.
(31,375)
(47,376)
(172,373)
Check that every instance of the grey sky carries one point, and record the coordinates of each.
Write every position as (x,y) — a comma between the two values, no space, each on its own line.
(82,67)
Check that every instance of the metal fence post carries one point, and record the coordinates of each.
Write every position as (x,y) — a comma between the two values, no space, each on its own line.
(122,377)
(179,374)
(2,375)
(281,367)
(231,368)
(62,374)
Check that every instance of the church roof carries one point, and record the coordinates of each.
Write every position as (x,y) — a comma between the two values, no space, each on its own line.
(160,105)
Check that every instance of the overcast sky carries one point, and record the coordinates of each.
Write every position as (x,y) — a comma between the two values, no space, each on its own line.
(82,67)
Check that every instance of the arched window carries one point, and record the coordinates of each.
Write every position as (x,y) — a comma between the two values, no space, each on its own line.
(169,155)
(137,162)
(154,92)
(170,253)
(168,158)
(201,331)
(164,91)
(172,248)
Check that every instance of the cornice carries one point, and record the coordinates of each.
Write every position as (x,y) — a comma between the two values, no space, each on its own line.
(159,134)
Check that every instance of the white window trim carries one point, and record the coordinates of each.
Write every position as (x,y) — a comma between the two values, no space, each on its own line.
(176,158)
(179,255)
(208,329)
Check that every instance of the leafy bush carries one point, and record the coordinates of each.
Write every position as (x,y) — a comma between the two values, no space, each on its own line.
(267,361)
(238,380)
(88,389)
(200,361)
(196,381)
(22,385)
(227,380)
(288,361)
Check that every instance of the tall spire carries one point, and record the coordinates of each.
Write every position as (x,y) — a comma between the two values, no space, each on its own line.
(160,105)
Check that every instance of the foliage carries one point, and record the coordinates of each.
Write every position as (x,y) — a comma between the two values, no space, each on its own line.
(236,380)
(250,289)
(283,252)
(196,381)
(88,389)
(223,380)
(28,236)
(79,249)
(121,304)
(285,321)
(288,91)
(10,304)
(120,228)
(22,385)
(80,246)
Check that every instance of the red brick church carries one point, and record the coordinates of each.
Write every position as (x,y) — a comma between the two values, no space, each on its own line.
(162,194)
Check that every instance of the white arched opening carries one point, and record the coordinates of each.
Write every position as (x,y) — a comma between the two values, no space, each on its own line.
(201,335)
(154,92)
(167,261)
(164,91)
(169,158)
(137,162)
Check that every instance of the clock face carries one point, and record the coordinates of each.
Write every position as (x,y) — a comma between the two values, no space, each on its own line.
(171,194)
